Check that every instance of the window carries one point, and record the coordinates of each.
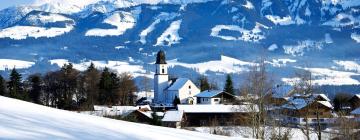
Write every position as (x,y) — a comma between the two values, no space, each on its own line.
(216,100)
(163,70)
(189,87)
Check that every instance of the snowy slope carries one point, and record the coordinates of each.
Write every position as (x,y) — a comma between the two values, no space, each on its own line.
(23,120)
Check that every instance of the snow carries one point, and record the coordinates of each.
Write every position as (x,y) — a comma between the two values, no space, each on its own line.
(173,116)
(328,39)
(217,108)
(24,120)
(120,47)
(280,62)
(170,35)
(356,37)
(302,46)
(48,18)
(225,65)
(63,6)
(249,5)
(280,20)
(118,66)
(208,93)
(32,31)
(18,64)
(273,47)
(325,76)
(245,131)
(356,111)
(162,16)
(253,35)
(121,20)
(343,20)
(179,83)
(348,65)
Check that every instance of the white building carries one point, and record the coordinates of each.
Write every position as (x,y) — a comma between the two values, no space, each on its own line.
(214,97)
(166,91)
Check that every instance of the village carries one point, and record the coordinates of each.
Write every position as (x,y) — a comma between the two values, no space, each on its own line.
(179,103)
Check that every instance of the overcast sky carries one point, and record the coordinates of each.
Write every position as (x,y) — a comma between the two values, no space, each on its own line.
(8,3)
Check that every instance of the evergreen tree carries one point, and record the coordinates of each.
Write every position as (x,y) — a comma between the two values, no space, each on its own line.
(15,86)
(36,88)
(2,86)
(69,87)
(229,85)
(204,83)
(106,87)
(90,85)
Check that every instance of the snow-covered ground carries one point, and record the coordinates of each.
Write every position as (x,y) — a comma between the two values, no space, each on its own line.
(280,20)
(171,35)
(23,120)
(122,22)
(118,66)
(243,131)
(253,35)
(32,31)
(225,64)
(18,64)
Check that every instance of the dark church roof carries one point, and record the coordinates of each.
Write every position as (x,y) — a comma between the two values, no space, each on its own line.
(160,58)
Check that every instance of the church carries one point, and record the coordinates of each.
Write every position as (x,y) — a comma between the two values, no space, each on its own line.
(166,90)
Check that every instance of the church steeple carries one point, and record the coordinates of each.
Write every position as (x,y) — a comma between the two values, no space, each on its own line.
(160,58)
(161,77)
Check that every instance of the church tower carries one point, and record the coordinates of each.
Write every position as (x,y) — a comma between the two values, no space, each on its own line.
(161,77)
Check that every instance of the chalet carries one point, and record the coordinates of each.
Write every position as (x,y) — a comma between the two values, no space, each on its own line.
(165,90)
(355,102)
(173,118)
(278,95)
(142,116)
(214,97)
(307,108)
(222,115)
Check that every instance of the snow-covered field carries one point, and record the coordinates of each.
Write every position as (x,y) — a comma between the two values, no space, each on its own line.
(243,131)
(23,120)
(225,64)
(18,64)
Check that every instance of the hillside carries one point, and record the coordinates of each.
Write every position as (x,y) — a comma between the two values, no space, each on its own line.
(23,120)
(320,36)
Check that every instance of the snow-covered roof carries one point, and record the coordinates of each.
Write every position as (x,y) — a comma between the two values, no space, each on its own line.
(355,112)
(179,83)
(217,108)
(299,102)
(149,113)
(323,96)
(281,91)
(19,121)
(173,116)
(209,93)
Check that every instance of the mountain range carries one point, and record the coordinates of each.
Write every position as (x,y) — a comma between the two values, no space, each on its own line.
(211,37)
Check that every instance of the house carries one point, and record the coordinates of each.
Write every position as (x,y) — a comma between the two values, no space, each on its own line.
(279,95)
(165,90)
(219,115)
(302,109)
(173,118)
(214,97)
(355,101)
(143,115)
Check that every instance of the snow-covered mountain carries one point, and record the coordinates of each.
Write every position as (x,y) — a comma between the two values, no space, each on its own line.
(24,120)
(209,37)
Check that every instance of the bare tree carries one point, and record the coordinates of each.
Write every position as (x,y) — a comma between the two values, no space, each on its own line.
(257,84)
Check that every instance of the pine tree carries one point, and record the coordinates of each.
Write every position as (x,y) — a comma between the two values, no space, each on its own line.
(15,86)
(204,83)
(90,85)
(105,87)
(36,88)
(229,85)
(2,86)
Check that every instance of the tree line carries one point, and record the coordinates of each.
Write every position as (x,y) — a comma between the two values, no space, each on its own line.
(71,89)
